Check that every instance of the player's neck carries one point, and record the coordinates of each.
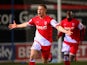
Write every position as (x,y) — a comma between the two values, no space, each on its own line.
(43,16)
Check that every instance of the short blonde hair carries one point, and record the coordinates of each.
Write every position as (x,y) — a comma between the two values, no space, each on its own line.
(43,5)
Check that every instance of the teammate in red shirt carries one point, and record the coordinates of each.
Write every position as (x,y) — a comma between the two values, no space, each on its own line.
(71,42)
(43,36)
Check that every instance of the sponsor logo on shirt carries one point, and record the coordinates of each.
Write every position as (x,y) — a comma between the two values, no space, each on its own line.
(41,27)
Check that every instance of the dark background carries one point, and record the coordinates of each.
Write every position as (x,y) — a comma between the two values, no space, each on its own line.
(27,34)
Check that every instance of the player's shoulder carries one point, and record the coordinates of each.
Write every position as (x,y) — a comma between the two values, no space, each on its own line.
(49,17)
(76,20)
(64,20)
(35,18)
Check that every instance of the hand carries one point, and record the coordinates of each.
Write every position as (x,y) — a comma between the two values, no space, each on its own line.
(69,32)
(12,26)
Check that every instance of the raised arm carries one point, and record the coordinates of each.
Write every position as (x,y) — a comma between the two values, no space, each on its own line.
(61,29)
(14,25)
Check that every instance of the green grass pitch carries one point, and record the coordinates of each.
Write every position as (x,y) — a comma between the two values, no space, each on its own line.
(73,63)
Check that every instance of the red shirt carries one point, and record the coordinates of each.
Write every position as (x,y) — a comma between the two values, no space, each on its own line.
(73,26)
(43,26)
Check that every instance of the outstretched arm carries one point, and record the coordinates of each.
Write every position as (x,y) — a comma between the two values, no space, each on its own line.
(14,25)
(61,29)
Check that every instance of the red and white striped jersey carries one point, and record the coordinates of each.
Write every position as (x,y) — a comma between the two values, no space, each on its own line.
(43,28)
(75,26)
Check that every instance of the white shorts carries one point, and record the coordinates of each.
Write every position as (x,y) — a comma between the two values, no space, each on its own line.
(39,41)
(36,46)
(69,48)
(65,48)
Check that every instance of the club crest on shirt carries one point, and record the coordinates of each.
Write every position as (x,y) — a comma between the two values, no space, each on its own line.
(73,24)
(45,22)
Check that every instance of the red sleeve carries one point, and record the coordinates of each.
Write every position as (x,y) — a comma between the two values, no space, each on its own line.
(31,22)
(61,23)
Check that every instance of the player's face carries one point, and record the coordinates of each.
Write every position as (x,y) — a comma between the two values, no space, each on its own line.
(41,11)
(69,16)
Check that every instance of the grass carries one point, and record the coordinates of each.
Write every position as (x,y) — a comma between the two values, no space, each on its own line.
(74,63)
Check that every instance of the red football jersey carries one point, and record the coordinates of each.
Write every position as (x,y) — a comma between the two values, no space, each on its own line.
(43,26)
(72,25)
